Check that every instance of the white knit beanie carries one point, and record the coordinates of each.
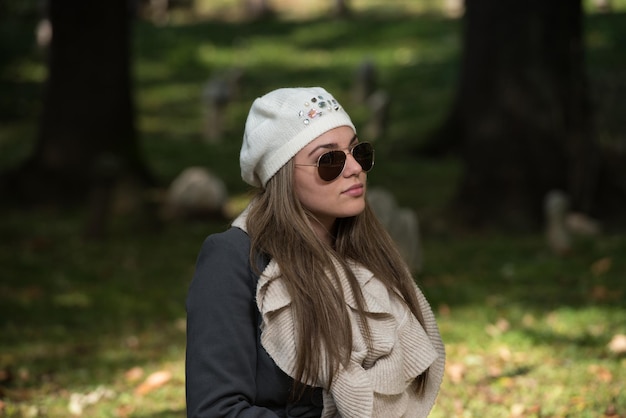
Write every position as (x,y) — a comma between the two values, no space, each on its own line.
(280,124)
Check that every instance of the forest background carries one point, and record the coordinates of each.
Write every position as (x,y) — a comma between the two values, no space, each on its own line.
(92,319)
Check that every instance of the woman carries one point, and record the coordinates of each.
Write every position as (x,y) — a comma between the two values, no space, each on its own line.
(304,307)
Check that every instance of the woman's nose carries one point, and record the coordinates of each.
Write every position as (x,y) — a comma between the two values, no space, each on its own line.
(352,166)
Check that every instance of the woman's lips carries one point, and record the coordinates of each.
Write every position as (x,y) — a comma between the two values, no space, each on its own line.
(355,191)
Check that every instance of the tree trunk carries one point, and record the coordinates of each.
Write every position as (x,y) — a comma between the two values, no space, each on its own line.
(341,8)
(522,119)
(87,137)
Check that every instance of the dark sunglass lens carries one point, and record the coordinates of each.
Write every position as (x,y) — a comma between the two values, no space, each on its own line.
(364,154)
(330,165)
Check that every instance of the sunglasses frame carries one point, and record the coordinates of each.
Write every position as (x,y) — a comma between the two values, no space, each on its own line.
(343,166)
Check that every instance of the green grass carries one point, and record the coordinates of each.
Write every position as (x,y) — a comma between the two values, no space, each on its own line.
(526,332)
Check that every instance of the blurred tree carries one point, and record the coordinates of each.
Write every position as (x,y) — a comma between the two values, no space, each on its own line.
(258,9)
(341,8)
(262,9)
(87,138)
(522,119)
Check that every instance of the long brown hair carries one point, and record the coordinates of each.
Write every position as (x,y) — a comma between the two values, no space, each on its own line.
(279,227)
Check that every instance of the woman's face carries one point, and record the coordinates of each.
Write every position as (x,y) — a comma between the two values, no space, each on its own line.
(338,198)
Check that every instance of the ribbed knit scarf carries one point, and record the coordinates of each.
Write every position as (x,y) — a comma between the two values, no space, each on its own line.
(378,382)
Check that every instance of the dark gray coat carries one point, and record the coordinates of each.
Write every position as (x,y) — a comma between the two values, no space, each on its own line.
(228,373)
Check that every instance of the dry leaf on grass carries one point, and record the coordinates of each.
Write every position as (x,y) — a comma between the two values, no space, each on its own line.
(601,373)
(618,344)
(601,266)
(500,327)
(154,381)
(518,410)
(134,374)
(455,372)
(79,401)
(124,411)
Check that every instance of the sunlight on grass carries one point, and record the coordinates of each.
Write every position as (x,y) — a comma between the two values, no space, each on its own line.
(508,369)
(148,71)
(27,71)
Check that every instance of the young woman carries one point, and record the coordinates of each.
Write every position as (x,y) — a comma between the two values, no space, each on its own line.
(304,307)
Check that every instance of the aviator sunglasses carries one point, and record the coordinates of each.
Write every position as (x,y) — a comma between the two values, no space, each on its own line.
(330,165)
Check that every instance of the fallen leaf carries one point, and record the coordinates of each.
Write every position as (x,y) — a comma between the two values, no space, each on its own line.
(18,394)
(124,411)
(500,327)
(517,410)
(601,373)
(6,375)
(505,354)
(132,342)
(618,344)
(494,370)
(76,405)
(181,324)
(601,266)
(134,374)
(599,293)
(79,401)
(611,411)
(528,320)
(455,372)
(154,381)
(444,310)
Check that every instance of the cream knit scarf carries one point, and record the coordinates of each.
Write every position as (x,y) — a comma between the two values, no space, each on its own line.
(378,380)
